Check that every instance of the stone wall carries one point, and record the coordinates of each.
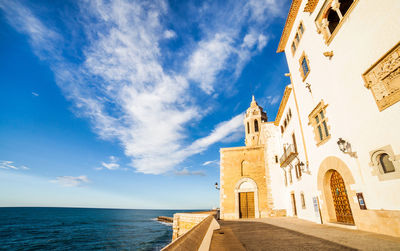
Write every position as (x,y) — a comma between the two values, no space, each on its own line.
(183,222)
(193,231)
(243,164)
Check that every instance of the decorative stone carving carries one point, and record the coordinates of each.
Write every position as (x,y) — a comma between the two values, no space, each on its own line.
(310,5)
(323,23)
(383,79)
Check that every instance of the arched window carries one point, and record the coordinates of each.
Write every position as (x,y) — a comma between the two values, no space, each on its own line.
(345,5)
(248,128)
(303,201)
(244,169)
(255,125)
(386,164)
(333,19)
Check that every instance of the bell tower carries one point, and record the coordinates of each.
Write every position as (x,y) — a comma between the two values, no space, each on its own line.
(253,120)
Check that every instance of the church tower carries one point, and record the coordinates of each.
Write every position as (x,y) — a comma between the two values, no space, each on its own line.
(253,120)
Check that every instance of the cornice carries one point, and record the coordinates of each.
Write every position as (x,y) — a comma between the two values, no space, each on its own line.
(241,148)
(310,5)
(282,106)
(294,9)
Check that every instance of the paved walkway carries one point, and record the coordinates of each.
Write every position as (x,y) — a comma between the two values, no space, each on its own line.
(295,234)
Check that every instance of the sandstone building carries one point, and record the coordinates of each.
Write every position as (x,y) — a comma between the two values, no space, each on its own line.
(332,155)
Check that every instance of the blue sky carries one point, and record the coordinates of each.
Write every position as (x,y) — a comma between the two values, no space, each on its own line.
(126,103)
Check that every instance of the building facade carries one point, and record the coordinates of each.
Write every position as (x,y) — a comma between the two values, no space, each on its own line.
(332,155)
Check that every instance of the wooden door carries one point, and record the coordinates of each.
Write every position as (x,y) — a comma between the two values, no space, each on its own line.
(246,205)
(250,205)
(340,199)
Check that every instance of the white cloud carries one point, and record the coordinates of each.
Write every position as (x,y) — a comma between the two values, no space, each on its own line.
(111,165)
(261,9)
(211,162)
(273,99)
(220,132)
(42,39)
(7,164)
(71,181)
(122,86)
(249,41)
(168,34)
(209,59)
(186,172)
(262,42)
(35,94)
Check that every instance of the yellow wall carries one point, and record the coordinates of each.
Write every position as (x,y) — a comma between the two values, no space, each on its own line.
(231,163)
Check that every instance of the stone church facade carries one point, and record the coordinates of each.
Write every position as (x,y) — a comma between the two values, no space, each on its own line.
(332,154)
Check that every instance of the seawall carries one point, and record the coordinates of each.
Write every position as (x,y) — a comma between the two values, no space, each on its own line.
(193,231)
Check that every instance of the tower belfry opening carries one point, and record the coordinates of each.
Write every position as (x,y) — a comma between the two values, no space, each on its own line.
(253,120)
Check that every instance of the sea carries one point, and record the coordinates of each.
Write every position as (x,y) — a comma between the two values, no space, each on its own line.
(44,228)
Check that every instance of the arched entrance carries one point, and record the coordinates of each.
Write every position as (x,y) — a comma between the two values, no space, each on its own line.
(246,197)
(340,199)
(336,197)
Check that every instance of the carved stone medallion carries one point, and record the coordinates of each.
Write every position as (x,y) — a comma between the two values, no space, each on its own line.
(383,79)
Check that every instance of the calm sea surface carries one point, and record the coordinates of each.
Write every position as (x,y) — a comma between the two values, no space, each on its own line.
(41,228)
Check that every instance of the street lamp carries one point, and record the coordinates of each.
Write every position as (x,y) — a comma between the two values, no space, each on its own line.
(216,186)
(343,145)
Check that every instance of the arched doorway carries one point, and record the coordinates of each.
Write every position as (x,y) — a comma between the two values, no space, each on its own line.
(246,196)
(334,173)
(340,199)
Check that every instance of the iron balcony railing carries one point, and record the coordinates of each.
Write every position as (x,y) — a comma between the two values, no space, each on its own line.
(289,154)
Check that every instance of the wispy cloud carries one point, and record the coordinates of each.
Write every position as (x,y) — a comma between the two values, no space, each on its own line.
(35,94)
(7,164)
(71,181)
(43,40)
(186,172)
(220,132)
(209,59)
(211,162)
(121,84)
(273,99)
(112,164)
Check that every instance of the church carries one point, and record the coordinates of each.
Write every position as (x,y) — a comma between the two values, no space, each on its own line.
(332,154)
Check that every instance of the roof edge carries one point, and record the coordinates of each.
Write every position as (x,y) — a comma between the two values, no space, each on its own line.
(282,106)
(294,9)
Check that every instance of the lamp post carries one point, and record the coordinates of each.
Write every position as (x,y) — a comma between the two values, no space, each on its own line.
(216,186)
(342,145)
(345,147)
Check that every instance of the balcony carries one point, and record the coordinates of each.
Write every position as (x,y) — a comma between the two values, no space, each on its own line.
(289,154)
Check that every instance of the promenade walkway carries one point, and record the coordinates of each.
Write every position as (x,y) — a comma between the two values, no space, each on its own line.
(295,234)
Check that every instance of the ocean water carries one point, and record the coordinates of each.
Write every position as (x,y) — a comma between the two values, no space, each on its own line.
(41,228)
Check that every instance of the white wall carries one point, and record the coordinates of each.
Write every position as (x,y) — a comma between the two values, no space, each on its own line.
(305,184)
(371,29)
